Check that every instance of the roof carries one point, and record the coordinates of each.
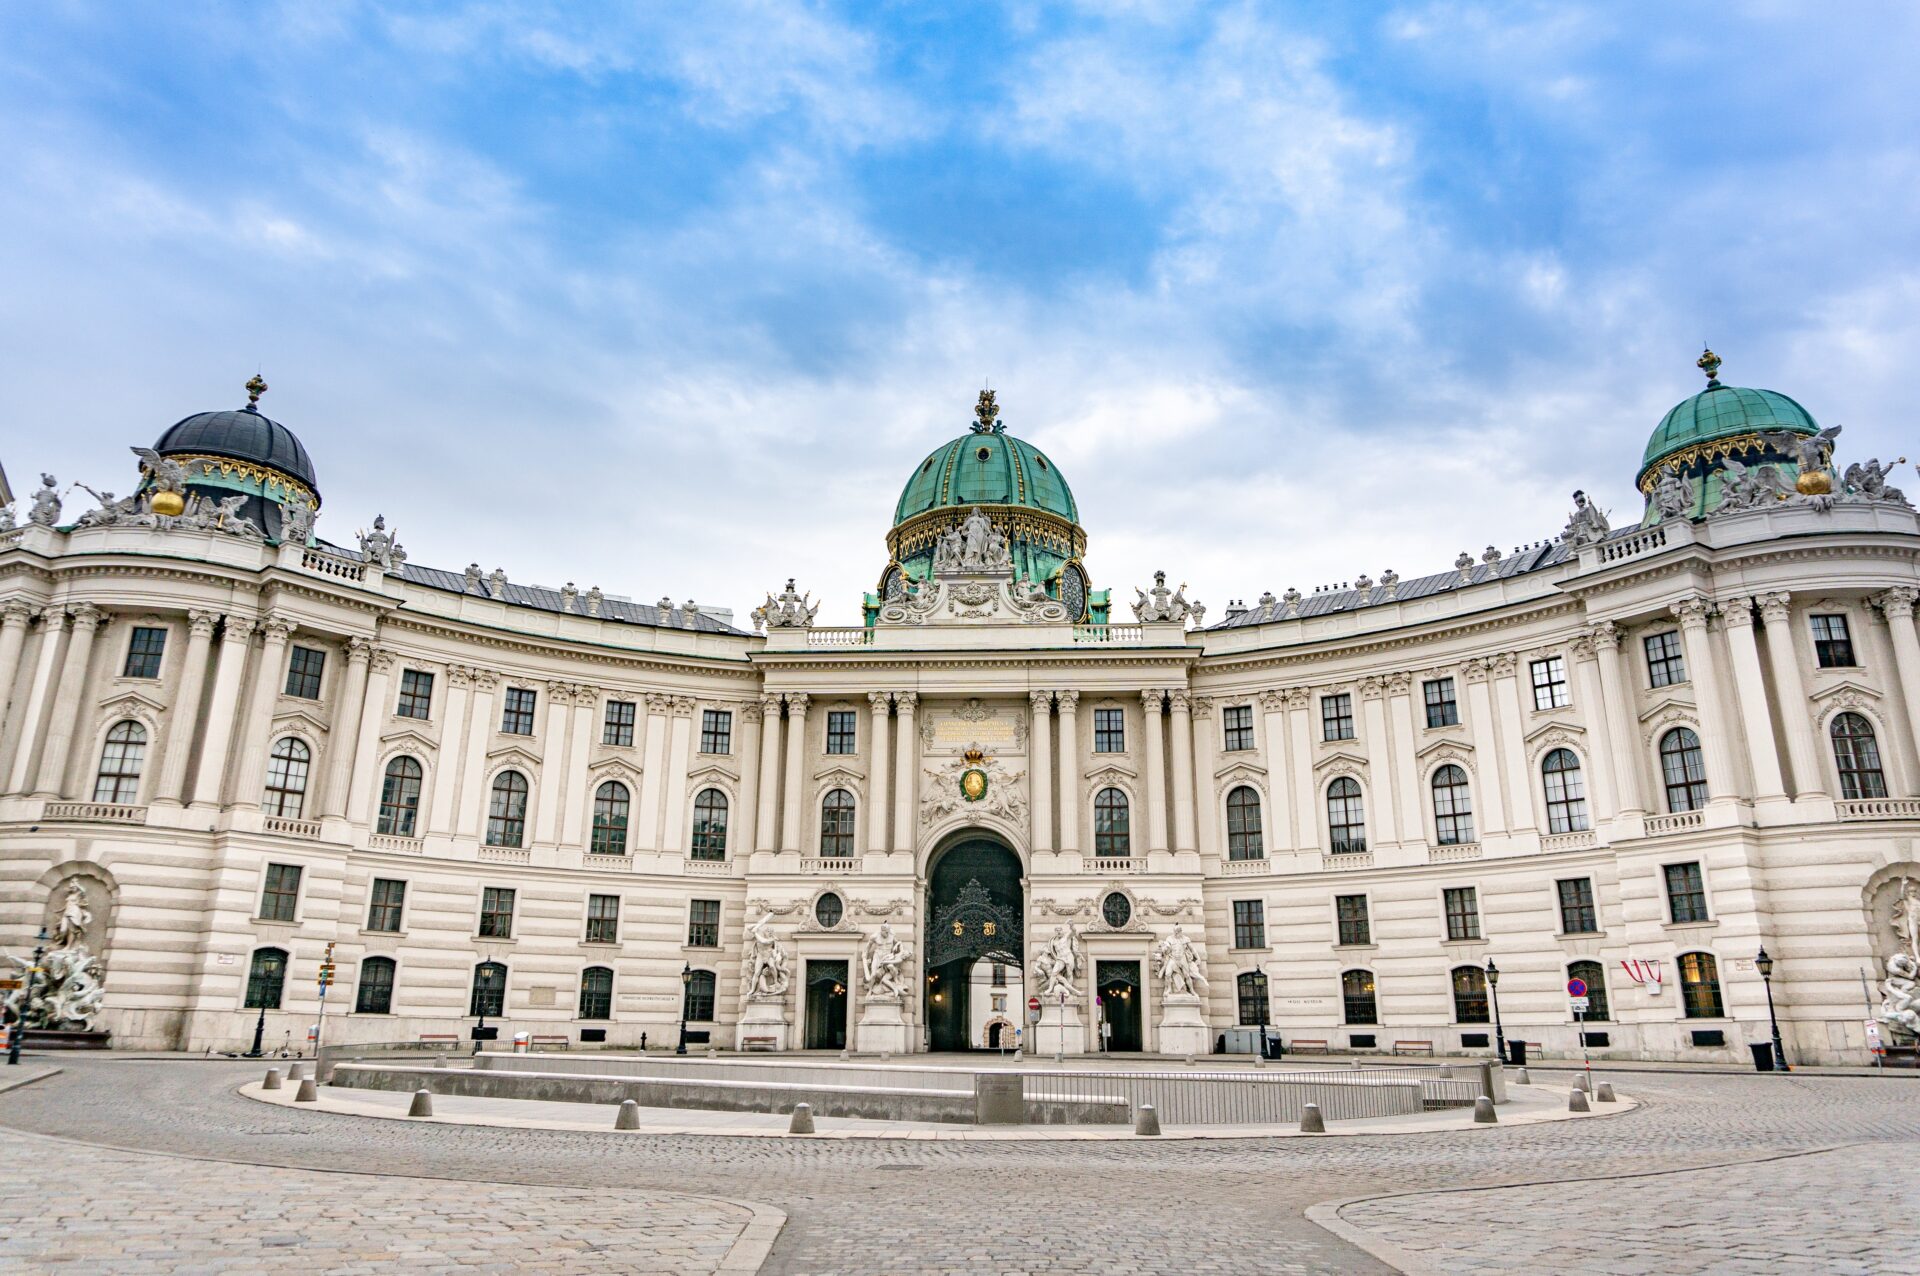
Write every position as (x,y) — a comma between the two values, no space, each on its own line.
(1720,412)
(986,469)
(242,434)
(1332,601)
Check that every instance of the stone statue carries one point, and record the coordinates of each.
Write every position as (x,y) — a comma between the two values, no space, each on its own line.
(790,610)
(767,975)
(1746,487)
(1179,964)
(1810,452)
(296,523)
(6,518)
(474,578)
(380,547)
(1672,498)
(168,475)
(227,518)
(884,966)
(1586,525)
(75,917)
(112,511)
(1868,482)
(1056,966)
(67,992)
(594,599)
(1900,990)
(497,584)
(46,503)
(1166,605)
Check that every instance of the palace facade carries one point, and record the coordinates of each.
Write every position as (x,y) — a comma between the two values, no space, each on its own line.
(1635,756)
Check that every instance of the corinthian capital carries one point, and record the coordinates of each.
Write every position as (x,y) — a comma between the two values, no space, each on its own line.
(1202,706)
(1897,602)
(1692,612)
(1179,701)
(1067,700)
(86,617)
(1040,701)
(1152,699)
(200,623)
(1737,612)
(905,701)
(1605,635)
(277,626)
(15,612)
(1776,607)
(797,704)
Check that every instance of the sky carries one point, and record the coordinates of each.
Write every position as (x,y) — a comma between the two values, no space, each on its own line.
(672,299)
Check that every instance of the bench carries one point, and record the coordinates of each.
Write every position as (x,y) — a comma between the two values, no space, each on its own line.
(440,1038)
(1305,1045)
(535,1043)
(1413,1047)
(759,1043)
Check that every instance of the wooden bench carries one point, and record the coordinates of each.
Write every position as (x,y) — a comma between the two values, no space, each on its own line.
(759,1043)
(534,1043)
(1413,1047)
(1304,1045)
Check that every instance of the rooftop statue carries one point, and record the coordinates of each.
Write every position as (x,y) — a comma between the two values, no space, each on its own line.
(46,503)
(296,522)
(1868,482)
(379,546)
(1746,487)
(791,610)
(1586,525)
(1673,495)
(973,545)
(1166,606)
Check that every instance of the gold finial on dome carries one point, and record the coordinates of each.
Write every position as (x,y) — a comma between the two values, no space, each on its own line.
(256,386)
(1709,363)
(985,411)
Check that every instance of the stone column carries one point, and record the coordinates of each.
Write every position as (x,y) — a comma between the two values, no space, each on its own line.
(1750,692)
(1513,741)
(1069,702)
(46,679)
(1622,726)
(1186,834)
(1282,801)
(553,764)
(473,758)
(791,836)
(374,710)
(1306,796)
(679,755)
(1718,744)
(274,632)
(183,719)
(1591,700)
(14,616)
(578,800)
(879,704)
(744,822)
(653,773)
(211,777)
(1809,771)
(443,782)
(1206,814)
(1406,768)
(1385,823)
(1897,605)
(87,620)
(766,828)
(1153,785)
(906,770)
(1040,770)
(344,740)
(1490,811)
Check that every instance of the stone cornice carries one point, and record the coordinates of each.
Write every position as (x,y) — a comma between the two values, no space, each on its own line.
(658,662)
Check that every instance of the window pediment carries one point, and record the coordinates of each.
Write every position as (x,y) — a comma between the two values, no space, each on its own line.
(1342,761)
(1847,693)
(511,755)
(300,717)
(137,704)
(408,738)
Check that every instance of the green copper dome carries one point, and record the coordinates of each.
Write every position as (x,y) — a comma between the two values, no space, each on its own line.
(986,469)
(1699,434)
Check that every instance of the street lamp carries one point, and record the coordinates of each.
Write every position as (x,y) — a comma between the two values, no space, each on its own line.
(259,1033)
(1499,1033)
(1764,964)
(26,1003)
(686,982)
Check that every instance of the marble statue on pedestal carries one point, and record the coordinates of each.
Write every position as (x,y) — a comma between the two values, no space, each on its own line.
(883,967)
(1056,966)
(1900,991)
(1180,966)
(768,975)
(67,993)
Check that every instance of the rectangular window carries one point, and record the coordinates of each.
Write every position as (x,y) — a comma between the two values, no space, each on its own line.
(1463,913)
(703,924)
(618,727)
(1442,709)
(1109,731)
(416,695)
(1336,716)
(383,912)
(517,717)
(1550,683)
(716,731)
(603,919)
(1832,644)
(1255,1009)
(1686,893)
(303,672)
(1249,923)
(281,894)
(1238,721)
(1355,927)
(1576,906)
(1666,663)
(841,731)
(144,650)
(496,913)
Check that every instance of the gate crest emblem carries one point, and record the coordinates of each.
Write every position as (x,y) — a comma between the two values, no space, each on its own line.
(973,779)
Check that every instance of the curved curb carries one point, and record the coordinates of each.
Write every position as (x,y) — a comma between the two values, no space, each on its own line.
(27,1078)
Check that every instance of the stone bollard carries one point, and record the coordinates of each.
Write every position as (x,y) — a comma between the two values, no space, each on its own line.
(1577,1101)
(713,1052)
(1259,1059)
(1483,1113)
(439,1061)
(1521,1078)
(273,1080)
(845,1054)
(1582,1082)
(628,1117)
(1189,1059)
(886,1055)
(1146,1120)
(308,1091)
(1354,1064)
(422,1103)
(296,1071)
(1311,1122)
(1446,1073)
(1603,1093)
(802,1122)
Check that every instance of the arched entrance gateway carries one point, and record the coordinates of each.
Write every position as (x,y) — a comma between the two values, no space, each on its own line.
(975,911)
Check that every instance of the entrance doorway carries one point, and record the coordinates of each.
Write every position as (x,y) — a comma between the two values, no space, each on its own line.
(826,1005)
(975,922)
(1119,986)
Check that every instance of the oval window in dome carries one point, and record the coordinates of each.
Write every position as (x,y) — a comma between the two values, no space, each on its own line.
(984,453)
(1039,460)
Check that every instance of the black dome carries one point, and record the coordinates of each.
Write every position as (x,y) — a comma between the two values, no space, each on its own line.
(241,435)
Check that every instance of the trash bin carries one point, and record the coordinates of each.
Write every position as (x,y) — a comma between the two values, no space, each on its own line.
(1273,1048)
(1517,1052)
(1762,1056)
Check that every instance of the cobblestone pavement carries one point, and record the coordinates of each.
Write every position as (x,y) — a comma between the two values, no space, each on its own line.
(1130,1205)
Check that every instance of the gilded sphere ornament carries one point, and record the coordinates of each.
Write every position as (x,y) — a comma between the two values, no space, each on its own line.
(168,504)
(1814,483)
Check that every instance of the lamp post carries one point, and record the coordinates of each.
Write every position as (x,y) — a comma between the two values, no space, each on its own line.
(1499,1033)
(259,1033)
(26,1002)
(686,981)
(1764,964)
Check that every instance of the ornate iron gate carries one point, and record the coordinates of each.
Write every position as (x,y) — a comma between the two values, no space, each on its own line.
(973,926)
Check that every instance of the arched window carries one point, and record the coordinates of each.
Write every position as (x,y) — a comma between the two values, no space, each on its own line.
(1684,770)
(120,762)
(1700,986)
(596,993)
(489,990)
(375,994)
(610,819)
(1356,996)
(287,768)
(1452,806)
(1566,792)
(1594,977)
(400,797)
(1252,988)
(710,825)
(1112,825)
(266,978)
(698,1005)
(1243,825)
(1857,754)
(1346,816)
(1470,995)
(507,812)
(836,825)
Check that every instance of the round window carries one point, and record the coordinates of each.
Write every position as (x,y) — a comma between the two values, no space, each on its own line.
(984,453)
(827,910)
(1073,593)
(893,584)
(1117,909)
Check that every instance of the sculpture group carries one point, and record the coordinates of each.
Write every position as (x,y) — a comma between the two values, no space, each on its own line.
(1900,991)
(975,545)
(67,992)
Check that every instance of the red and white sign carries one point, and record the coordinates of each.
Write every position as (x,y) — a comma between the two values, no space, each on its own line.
(1644,971)
(1576,987)
(1033,1003)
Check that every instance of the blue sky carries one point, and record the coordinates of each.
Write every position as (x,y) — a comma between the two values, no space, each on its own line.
(672,299)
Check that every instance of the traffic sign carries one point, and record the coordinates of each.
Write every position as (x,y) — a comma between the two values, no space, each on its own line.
(1033,1003)
(1576,987)
(1579,1003)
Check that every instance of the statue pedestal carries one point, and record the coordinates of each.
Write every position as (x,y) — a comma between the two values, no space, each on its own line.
(882,1027)
(1059,1030)
(762,1020)
(1183,1029)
